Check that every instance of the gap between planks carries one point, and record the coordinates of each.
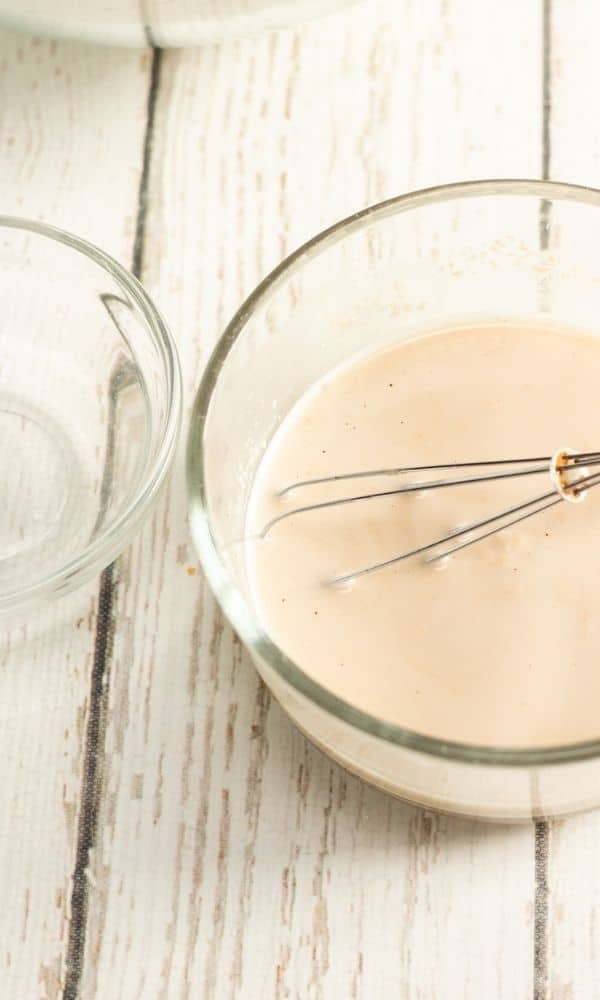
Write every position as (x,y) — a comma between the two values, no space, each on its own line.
(542,827)
(91,784)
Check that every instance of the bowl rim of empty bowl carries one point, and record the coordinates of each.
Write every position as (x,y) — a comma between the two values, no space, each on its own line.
(235,606)
(109,542)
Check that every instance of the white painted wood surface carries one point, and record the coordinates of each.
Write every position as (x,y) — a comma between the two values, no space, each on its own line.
(229,857)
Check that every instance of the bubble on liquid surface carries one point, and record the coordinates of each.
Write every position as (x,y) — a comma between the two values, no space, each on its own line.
(342,584)
(439,564)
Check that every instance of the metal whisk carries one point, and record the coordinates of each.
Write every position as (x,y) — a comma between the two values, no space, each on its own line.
(569,474)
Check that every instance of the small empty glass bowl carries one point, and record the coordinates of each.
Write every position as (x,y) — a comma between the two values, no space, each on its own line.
(164,23)
(90,401)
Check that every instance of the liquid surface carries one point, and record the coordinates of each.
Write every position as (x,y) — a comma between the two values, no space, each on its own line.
(500,644)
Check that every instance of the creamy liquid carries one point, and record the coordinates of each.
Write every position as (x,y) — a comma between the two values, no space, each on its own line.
(500,644)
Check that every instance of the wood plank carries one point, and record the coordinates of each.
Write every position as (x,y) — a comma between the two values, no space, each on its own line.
(570,860)
(235,860)
(61,119)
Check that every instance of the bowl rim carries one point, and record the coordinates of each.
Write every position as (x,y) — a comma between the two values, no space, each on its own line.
(109,543)
(234,605)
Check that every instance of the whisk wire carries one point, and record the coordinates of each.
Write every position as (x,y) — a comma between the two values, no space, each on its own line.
(494,531)
(580,458)
(457,533)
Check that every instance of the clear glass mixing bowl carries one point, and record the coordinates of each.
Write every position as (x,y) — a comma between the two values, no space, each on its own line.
(159,22)
(471,251)
(90,402)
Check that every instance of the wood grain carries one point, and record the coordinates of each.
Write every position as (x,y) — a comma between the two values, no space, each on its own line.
(233,859)
(60,123)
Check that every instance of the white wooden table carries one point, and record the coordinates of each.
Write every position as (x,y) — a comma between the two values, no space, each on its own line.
(164,831)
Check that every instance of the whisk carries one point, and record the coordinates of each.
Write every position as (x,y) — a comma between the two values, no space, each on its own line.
(568,471)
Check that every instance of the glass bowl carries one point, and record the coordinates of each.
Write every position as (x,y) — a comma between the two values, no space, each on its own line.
(90,401)
(159,22)
(434,258)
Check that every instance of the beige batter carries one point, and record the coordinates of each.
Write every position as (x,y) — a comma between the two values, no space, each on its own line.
(501,644)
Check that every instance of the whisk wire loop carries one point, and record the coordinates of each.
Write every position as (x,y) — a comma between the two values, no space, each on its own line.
(561,467)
